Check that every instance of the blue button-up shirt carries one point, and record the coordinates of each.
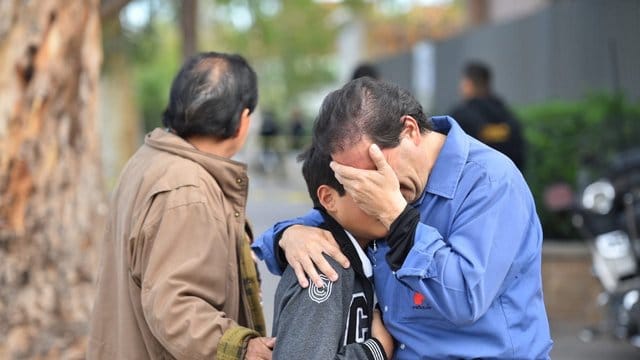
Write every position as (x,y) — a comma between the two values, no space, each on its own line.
(471,285)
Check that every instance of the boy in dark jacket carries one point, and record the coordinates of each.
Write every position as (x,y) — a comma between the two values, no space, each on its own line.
(336,321)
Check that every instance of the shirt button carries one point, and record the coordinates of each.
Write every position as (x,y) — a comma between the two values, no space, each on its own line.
(401,346)
(239,180)
(386,308)
(236,214)
(393,272)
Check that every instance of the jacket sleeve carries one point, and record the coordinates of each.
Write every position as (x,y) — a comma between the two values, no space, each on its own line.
(183,282)
(310,323)
(265,246)
(464,274)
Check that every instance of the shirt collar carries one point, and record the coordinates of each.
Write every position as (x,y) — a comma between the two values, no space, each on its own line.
(447,170)
(367,269)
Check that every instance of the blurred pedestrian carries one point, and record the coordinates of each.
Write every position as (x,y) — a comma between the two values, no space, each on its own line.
(177,279)
(483,115)
(269,135)
(365,69)
(296,130)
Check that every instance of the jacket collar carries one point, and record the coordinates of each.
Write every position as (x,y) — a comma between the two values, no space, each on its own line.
(445,175)
(230,175)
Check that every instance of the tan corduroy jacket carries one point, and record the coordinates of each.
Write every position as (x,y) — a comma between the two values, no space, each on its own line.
(174,259)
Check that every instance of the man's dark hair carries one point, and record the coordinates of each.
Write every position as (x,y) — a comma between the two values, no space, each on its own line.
(209,94)
(365,69)
(479,74)
(317,172)
(365,107)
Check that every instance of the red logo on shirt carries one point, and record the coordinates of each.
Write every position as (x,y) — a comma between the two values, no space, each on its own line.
(418,298)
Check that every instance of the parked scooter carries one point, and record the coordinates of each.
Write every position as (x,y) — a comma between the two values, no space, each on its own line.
(606,212)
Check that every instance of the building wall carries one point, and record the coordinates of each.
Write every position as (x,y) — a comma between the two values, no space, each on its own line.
(505,10)
(562,52)
(565,51)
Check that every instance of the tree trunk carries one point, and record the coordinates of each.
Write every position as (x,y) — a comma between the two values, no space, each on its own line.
(188,25)
(51,194)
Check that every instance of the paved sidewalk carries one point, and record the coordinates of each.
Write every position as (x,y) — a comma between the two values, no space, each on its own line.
(568,347)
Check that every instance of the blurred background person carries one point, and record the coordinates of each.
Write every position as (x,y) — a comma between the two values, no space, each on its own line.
(296,130)
(483,115)
(269,136)
(365,69)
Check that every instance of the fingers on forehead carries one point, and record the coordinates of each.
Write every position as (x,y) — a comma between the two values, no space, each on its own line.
(347,171)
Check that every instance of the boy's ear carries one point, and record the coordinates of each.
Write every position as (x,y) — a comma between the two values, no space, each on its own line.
(326,195)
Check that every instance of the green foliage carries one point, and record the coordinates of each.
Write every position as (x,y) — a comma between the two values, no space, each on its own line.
(572,141)
(154,76)
(151,53)
(288,42)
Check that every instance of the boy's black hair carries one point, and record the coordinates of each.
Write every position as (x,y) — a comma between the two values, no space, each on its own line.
(316,172)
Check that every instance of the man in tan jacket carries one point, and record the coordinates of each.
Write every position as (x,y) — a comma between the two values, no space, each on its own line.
(176,278)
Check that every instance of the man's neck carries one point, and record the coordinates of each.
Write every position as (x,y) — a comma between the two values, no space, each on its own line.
(434,141)
(212,146)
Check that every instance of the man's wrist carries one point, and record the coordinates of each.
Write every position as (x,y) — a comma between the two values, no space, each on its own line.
(234,342)
(394,212)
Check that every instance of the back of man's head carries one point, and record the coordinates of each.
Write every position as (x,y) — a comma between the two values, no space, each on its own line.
(316,172)
(209,94)
(479,74)
(369,108)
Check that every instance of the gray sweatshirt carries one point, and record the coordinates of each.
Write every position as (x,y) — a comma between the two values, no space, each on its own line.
(332,322)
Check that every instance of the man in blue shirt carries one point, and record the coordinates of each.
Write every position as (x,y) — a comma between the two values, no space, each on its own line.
(458,274)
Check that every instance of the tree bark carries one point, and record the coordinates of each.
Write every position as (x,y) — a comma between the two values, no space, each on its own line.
(188,25)
(51,194)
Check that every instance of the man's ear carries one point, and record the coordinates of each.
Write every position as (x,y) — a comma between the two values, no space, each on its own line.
(245,121)
(411,129)
(326,195)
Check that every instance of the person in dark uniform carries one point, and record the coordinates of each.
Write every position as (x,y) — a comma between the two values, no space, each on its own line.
(485,116)
(338,320)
